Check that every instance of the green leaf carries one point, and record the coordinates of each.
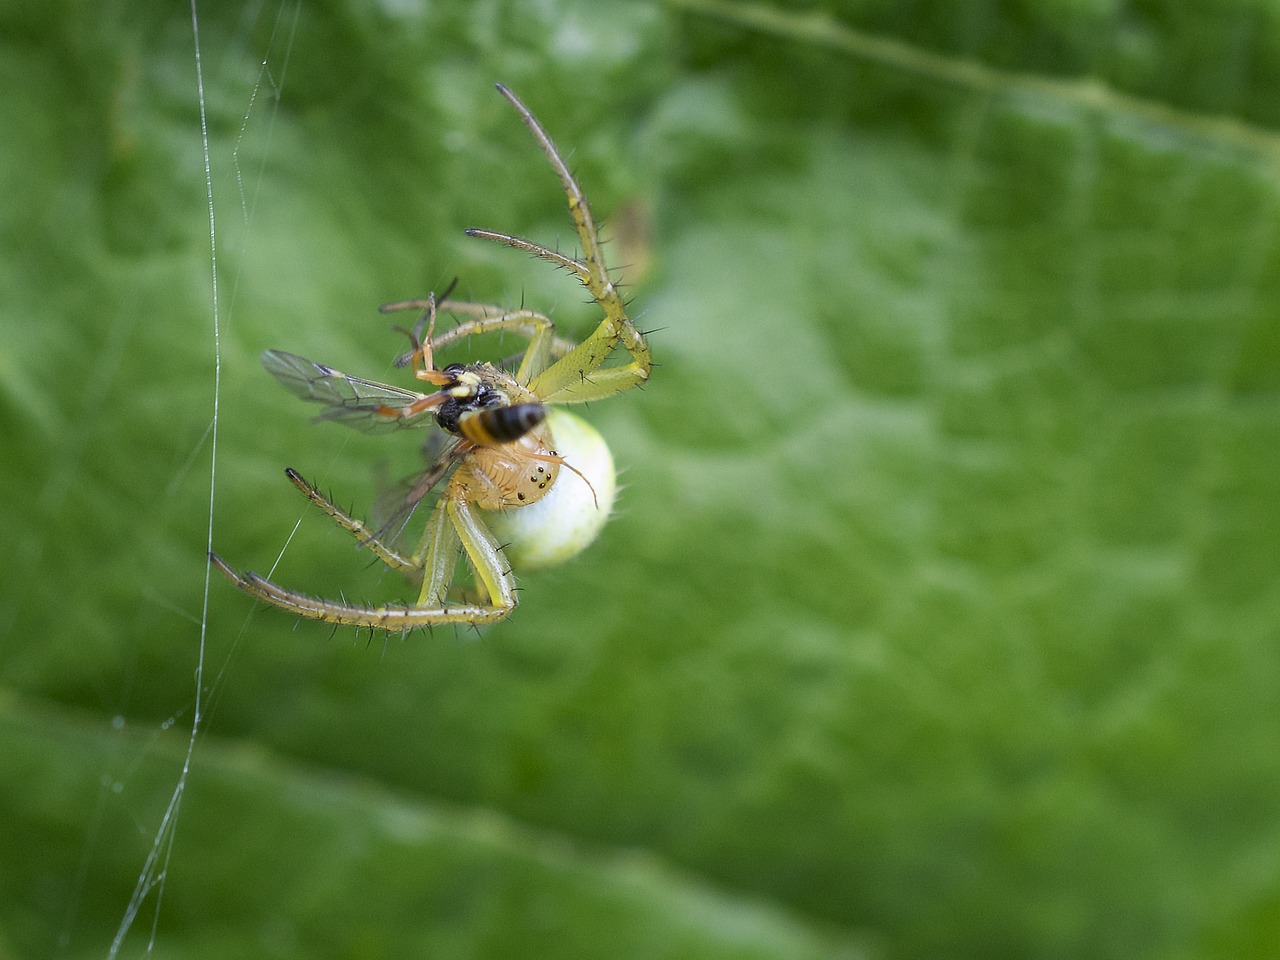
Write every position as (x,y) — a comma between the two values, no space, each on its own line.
(940,614)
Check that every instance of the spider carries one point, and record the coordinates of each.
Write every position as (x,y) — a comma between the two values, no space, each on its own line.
(527,483)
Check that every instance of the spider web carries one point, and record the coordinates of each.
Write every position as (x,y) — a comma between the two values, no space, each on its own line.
(146,901)
(233,175)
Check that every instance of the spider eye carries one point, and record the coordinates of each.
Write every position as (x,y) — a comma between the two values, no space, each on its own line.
(454,369)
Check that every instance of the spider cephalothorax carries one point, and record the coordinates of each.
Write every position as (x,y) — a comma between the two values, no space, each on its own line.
(517,467)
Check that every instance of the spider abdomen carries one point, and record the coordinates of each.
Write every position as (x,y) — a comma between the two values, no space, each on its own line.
(562,524)
(503,476)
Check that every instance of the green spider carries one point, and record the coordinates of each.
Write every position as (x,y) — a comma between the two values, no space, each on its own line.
(506,499)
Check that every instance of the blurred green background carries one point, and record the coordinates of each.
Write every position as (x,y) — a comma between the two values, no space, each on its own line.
(940,618)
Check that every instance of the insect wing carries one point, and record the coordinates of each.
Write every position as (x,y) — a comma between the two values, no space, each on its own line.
(443,463)
(395,507)
(363,404)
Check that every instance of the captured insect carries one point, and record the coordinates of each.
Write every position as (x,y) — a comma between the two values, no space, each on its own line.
(525,484)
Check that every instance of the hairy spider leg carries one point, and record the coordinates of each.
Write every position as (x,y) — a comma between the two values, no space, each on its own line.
(390,617)
(544,345)
(436,550)
(365,536)
(452,523)
(577,377)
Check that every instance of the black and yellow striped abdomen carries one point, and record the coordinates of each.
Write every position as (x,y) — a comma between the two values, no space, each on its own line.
(494,425)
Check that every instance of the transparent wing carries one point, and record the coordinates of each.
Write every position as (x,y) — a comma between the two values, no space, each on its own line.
(395,506)
(363,404)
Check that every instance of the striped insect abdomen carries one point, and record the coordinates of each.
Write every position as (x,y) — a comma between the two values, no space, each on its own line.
(494,425)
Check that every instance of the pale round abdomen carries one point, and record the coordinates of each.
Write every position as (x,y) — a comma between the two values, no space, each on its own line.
(567,518)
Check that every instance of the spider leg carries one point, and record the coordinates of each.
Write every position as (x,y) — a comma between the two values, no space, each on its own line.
(389,617)
(452,522)
(357,528)
(485,553)
(541,332)
(576,377)
(439,555)
(544,345)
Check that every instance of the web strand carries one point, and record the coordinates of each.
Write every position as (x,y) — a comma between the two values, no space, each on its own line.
(155,869)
